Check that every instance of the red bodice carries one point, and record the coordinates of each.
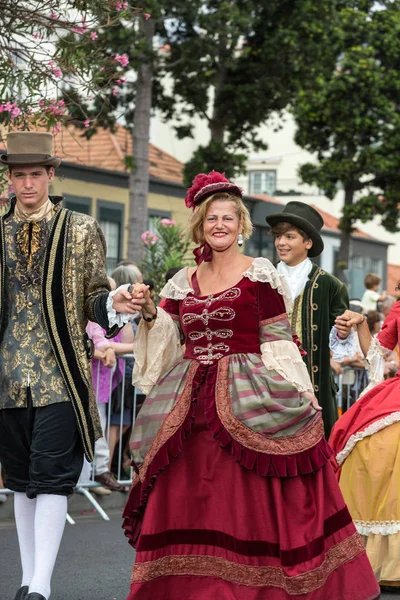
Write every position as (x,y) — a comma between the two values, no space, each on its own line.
(225,323)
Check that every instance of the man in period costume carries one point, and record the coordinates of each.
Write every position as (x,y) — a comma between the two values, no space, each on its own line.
(318,298)
(52,281)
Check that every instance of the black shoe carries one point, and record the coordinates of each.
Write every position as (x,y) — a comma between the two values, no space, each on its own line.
(35,596)
(22,593)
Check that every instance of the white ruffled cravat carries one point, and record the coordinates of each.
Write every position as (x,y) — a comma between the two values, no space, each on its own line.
(296,276)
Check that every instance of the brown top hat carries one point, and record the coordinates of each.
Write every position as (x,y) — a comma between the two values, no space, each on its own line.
(29,148)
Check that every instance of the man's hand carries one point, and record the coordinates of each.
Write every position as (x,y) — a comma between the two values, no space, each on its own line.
(311,398)
(346,321)
(140,294)
(127,302)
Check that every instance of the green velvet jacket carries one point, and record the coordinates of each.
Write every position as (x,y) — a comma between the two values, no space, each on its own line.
(323,299)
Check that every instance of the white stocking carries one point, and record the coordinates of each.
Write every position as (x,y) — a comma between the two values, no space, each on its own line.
(51,512)
(24,510)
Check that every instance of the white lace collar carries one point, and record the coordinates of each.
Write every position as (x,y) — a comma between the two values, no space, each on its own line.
(261,269)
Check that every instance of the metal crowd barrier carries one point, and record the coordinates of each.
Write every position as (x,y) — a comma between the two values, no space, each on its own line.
(85,484)
(350,383)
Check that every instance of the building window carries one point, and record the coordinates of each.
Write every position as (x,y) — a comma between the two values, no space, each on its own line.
(111,220)
(261,244)
(111,233)
(79,204)
(262,182)
(156,214)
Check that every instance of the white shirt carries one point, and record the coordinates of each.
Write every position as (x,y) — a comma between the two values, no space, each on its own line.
(296,276)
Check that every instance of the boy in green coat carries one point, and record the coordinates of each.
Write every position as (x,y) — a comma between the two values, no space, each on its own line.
(318,298)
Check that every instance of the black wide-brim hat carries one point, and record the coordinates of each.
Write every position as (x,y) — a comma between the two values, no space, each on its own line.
(25,148)
(304,217)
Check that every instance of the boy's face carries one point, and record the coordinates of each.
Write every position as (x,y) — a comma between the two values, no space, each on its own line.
(291,247)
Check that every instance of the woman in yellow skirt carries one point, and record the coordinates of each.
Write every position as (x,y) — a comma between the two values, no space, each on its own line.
(366,443)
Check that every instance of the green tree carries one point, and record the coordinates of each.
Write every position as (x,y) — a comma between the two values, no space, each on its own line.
(350,119)
(235,64)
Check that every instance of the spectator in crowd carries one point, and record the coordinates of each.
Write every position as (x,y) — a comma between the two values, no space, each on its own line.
(374,322)
(386,306)
(371,295)
(103,382)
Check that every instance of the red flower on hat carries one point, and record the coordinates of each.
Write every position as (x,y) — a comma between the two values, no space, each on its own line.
(199,182)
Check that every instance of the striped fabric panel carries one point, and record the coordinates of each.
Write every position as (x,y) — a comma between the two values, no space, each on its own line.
(262,399)
(156,407)
(274,329)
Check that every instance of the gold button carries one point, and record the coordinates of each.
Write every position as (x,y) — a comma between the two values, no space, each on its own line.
(29,328)
(316,388)
(315,369)
(315,306)
(314,327)
(30,304)
(315,347)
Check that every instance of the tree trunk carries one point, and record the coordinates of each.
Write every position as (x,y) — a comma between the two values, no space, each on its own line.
(346,227)
(217,126)
(139,179)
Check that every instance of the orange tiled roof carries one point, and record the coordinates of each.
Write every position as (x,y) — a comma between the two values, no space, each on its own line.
(106,150)
(393,278)
(265,198)
(332,223)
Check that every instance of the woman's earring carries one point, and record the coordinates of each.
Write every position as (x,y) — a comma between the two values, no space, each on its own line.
(240,240)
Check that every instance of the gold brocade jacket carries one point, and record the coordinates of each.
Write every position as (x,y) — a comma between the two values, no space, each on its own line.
(73,289)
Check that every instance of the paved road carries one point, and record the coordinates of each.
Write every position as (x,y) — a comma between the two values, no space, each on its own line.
(94,563)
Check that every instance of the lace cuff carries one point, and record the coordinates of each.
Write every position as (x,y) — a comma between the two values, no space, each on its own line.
(375,363)
(342,348)
(263,270)
(156,351)
(115,318)
(284,357)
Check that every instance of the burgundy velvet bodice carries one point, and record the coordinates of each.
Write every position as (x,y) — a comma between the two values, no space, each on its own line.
(225,323)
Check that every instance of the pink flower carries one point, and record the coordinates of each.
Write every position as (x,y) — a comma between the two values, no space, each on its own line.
(101,68)
(123,80)
(115,92)
(15,112)
(147,16)
(167,222)
(93,36)
(11,189)
(149,239)
(54,69)
(35,35)
(54,16)
(122,59)
(121,6)
(57,128)
(87,123)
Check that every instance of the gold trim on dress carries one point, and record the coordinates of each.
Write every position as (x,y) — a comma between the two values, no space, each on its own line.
(250,576)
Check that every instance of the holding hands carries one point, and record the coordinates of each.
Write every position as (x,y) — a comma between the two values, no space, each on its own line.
(135,298)
(347,320)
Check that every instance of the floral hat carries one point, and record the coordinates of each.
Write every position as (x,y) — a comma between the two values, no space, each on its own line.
(204,186)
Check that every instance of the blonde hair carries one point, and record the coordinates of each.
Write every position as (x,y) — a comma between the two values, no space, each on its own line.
(197,220)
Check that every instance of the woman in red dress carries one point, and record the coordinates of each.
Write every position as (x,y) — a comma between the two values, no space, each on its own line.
(366,443)
(234,497)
